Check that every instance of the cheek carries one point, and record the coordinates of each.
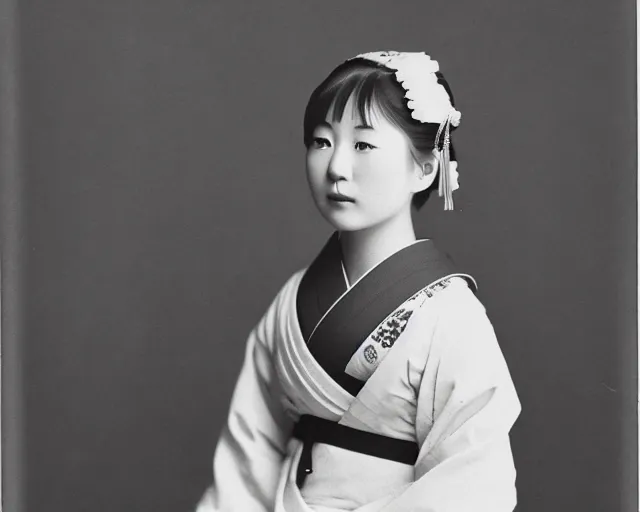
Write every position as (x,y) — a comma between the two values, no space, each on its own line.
(384,176)
(314,159)
(314,169)
(310,165)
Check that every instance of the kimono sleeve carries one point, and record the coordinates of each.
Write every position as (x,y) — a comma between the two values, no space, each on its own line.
(251,449)
(466,406)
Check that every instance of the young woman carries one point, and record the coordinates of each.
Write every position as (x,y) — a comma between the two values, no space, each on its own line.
(374,382)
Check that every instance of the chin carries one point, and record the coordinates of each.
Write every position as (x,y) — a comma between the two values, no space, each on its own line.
(345,221)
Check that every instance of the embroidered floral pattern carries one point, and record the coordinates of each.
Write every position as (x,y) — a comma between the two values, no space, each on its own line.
(370,354)
(391,329)
(436,287)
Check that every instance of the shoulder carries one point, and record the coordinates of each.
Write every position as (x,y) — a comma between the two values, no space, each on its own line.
(441,309)
(453,296)
(290,287)
(282,304)
(458,317)
(286,294)
(463,332)
(463,343)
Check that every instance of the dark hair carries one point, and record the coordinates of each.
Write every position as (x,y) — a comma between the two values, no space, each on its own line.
(372,85)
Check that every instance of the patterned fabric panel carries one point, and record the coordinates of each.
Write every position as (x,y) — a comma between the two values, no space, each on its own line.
(369,355)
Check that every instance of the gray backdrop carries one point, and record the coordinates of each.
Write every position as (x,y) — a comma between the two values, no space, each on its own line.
(158,203)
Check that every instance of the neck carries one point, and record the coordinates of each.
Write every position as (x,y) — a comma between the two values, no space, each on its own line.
(364,249)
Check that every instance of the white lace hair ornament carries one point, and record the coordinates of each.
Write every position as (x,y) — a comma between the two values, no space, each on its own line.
(429,103)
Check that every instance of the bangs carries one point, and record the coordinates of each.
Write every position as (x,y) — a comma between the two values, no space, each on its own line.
(368,86)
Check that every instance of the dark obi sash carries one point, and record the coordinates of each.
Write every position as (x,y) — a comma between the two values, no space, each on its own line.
(335,321)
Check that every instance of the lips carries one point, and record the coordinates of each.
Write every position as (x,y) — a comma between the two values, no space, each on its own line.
(340,198)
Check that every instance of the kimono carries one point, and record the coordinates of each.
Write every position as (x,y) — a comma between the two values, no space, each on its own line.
(405,356)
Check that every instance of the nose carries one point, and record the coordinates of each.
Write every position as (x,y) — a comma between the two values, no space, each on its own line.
(340,165)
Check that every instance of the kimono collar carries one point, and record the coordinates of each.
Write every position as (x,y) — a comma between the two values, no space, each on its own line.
(335,320)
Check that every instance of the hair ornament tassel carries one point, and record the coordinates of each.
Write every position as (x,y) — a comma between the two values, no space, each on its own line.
(445,186)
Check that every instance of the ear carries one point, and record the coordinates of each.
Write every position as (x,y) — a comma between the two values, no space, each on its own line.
(425,173)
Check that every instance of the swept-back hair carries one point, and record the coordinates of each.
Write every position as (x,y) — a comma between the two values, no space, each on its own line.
(373,86)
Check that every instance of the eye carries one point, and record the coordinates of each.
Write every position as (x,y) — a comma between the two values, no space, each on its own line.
(320,143)
(364,146)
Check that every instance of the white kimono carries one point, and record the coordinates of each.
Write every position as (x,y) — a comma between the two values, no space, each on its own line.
(443,384)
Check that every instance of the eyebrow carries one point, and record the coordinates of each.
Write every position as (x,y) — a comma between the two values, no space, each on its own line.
(324,124)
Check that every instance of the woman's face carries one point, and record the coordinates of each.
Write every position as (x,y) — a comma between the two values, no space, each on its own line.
(373,167)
